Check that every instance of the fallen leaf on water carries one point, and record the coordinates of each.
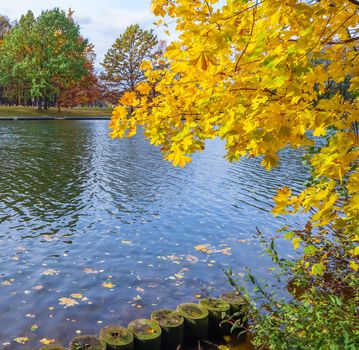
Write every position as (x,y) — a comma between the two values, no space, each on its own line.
(8,282)
(46,341)
(126,242)
(38,287)
(192,259)
(67,302)
(89,270)
(108,285)
(21,340)
(50,272)
(203,248)
(76,295)
(34,327)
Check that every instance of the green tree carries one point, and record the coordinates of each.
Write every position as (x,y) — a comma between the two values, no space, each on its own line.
(15,60)
(122,61)
(58,55)
(41,57)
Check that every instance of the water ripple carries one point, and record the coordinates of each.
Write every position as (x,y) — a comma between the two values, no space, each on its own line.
(78,209)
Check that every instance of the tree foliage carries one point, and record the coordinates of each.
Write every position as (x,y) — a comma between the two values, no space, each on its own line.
(85,91)
(42,56)
(263,76)
(122,61)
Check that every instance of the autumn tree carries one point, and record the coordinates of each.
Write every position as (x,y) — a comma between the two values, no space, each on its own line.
(122,62)
(255,74)
(41,56)
(16,69)
(263,76)
(85,91)
(58,54)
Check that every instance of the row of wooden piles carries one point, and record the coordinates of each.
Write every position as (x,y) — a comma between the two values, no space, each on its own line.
(167,329)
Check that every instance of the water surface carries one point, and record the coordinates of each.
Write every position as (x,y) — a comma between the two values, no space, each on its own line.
(112,226)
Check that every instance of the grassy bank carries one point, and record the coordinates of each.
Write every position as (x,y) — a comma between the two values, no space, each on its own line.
(20,111)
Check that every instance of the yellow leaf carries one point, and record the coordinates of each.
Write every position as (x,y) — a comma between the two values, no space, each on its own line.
(67,302)
(21,340)
(76,295)
(146,65)
(108,285)
(46,341)
(320,131)
(296,242)
(143,88)
(353,265)
(129,99)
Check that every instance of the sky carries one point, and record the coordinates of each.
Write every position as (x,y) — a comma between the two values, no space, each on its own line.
(101,21)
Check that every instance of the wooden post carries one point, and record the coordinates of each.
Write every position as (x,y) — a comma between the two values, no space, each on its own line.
(196,322)
(147,334)
(237,303)
(117,338)
(172,324)
(86,342)
(219,312)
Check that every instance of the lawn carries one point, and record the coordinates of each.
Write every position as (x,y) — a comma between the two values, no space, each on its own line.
(21,111)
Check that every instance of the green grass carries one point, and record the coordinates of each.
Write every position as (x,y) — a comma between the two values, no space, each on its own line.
(20,111)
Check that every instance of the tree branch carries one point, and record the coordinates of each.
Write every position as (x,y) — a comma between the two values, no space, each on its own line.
(251,33)
(343,41)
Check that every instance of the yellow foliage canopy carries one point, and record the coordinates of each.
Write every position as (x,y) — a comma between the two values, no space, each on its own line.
(257,74)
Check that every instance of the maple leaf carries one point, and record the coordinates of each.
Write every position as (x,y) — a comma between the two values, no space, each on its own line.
(50,272)
(67,302)
(46,341)
(76,295)
(21,340)
(108,285)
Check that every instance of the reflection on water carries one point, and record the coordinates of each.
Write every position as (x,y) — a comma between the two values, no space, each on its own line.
(111,223)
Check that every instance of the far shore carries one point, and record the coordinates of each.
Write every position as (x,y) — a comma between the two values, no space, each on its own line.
(8,112)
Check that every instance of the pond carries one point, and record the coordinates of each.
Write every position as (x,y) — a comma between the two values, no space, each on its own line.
(95,231)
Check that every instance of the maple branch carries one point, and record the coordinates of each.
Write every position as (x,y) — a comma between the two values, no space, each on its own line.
(343,41)
(243,11)
(332,34)
(251,33)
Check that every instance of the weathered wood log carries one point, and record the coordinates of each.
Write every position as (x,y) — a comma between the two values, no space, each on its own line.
(196,322)
(219,312)
(147,334)
(172,324)
(237,303)
(87,342)
(117,338)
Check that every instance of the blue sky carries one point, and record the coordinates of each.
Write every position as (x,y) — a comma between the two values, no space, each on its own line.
(101,21)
